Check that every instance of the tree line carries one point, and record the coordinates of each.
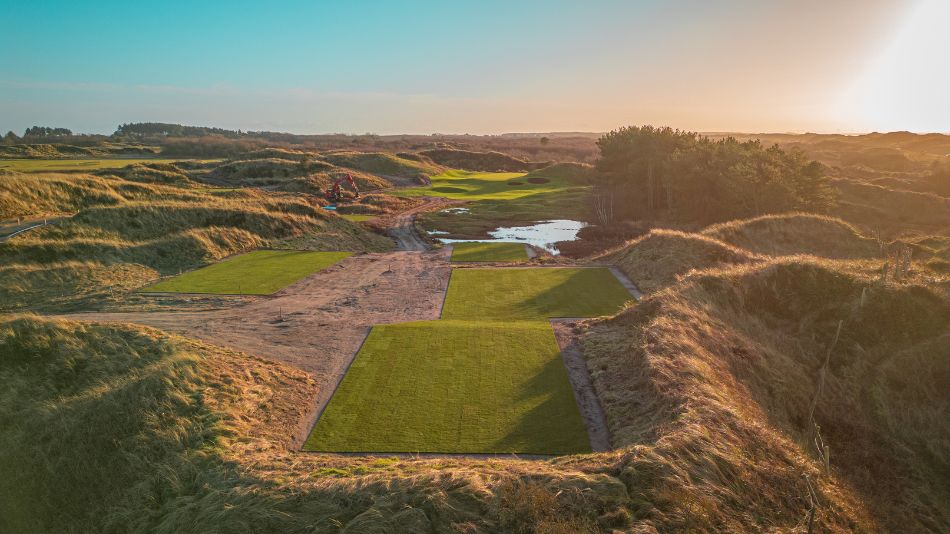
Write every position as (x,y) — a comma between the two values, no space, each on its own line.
(661,173)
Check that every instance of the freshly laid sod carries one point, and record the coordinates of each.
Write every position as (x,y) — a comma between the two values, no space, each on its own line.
(261,272)
(525,294)
(454,387)
(488,252)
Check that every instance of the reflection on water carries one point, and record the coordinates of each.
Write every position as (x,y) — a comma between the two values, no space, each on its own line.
(543,234)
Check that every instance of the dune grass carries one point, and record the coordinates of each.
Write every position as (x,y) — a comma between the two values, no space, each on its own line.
(454,387)
(261,272)
(483,252)
(47,165)
(532,294)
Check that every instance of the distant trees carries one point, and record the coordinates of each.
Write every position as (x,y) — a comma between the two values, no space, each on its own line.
(11,138)
(164,129)
(43,132)
(661,172)
(544,140)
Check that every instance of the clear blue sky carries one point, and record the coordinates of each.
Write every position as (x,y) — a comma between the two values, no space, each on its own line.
(448,66)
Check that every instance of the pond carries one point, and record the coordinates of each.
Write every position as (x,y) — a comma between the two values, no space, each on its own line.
(543,234)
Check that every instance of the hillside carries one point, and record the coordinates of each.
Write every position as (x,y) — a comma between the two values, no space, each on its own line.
(118,235)
(712,379)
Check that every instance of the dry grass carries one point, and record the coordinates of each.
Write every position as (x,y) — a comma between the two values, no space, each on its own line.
(796,233)
(711,379)
(659,257)
(136,231)
(157,433)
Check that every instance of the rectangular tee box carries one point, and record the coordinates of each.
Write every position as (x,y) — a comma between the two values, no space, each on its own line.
(260,272)
(533,294)
(487,252)
(454,387)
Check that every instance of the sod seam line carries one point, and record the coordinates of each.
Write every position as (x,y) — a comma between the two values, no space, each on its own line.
(319,413)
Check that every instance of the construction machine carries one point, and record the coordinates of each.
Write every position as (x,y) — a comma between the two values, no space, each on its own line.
(335,191)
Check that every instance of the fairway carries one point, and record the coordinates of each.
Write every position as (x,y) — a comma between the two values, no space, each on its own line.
(261,272)
(468,185)
(41,165)
(478,252)
(454,387)
(531,294)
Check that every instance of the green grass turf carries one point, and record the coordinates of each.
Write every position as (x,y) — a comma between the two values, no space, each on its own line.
(526,294)
(356,217)
(467,185)
(40,165)
(454,387)
(494,203)
(261,272)
(462,252)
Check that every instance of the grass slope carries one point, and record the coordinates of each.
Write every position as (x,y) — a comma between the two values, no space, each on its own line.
(127,429)
(48,165)
(261,272)
(455,387)
(478,252)
(532,294)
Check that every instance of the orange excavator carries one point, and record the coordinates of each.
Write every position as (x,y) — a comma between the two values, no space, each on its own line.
(335,192)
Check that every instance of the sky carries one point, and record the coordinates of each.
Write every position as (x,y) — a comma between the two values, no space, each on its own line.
(477,66)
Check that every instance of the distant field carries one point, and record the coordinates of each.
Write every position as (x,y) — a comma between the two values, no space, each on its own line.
(261,272)
(36,165)
(526,294)
(479,252)
(454,387)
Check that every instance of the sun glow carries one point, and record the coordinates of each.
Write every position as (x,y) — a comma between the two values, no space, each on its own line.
(907,85)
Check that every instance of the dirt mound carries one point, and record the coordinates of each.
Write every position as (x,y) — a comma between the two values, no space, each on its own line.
(476,161)
(713,380)
(658,258)
(796,233)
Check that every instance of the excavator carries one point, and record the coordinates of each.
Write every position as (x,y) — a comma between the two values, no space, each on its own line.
(335,191)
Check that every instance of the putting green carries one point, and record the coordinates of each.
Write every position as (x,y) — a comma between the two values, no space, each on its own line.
(454,387)
(526,294)
(261,272)
(476,252)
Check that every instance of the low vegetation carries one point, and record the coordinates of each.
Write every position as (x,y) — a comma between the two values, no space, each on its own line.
(138,231)
(532,294)
(260,272)
(744,364)
(457,387)
(502,199)
(476,161)
(488,252)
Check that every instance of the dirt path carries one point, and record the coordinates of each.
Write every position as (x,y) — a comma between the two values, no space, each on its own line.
(319,323)
(13,229)
(584,393)
(402,228)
